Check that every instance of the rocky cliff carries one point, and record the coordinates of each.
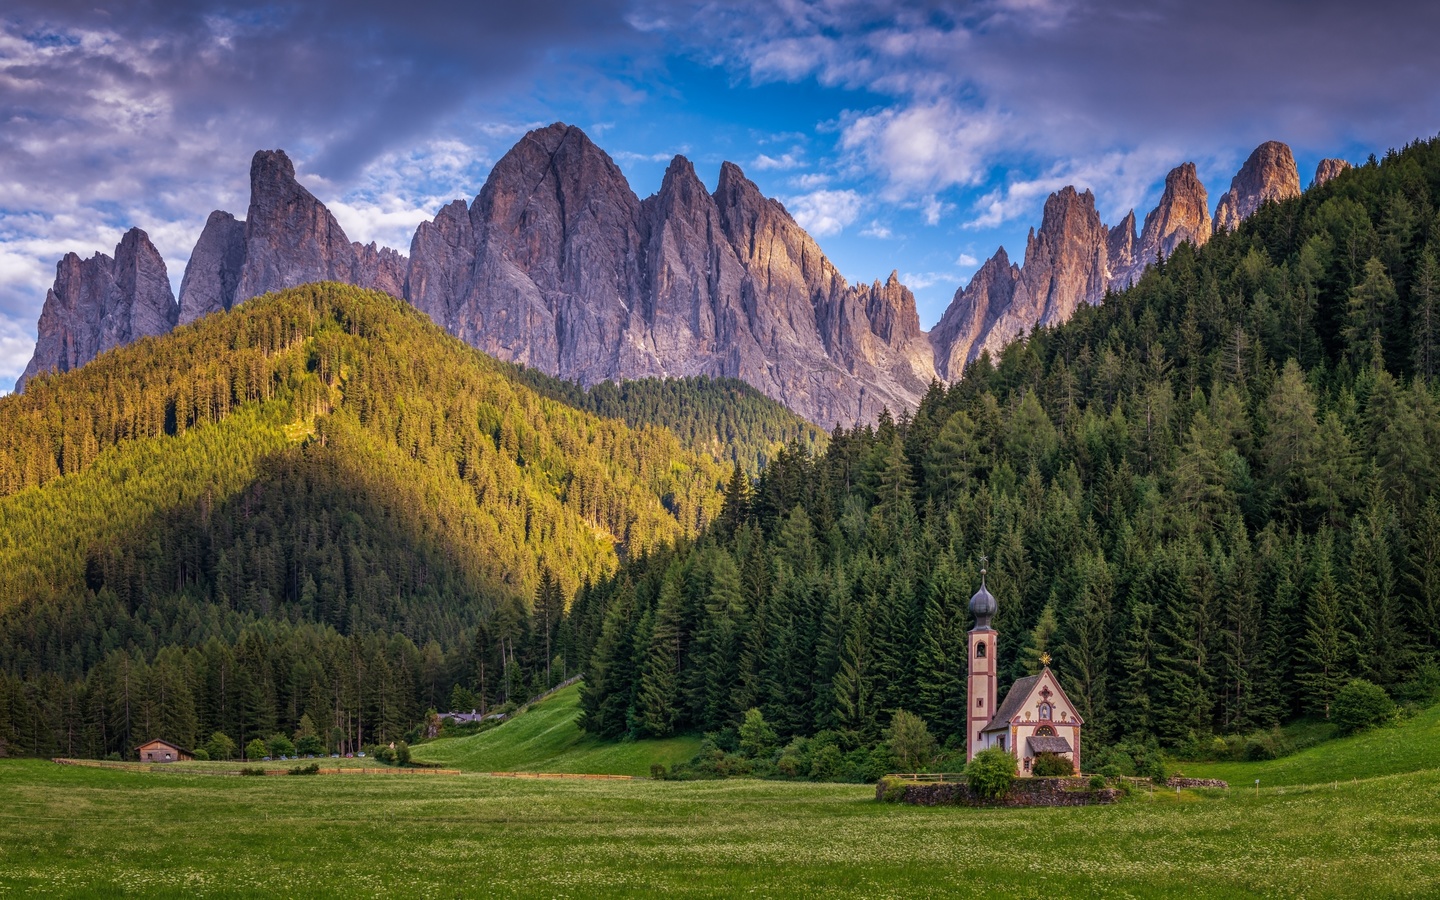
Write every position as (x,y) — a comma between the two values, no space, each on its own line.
(1269,174)
(1327,170)
(100,303)
(1075,259)
(1066,264)
(558,264)
(287,238)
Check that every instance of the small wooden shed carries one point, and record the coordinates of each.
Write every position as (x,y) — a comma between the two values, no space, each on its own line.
(158,751)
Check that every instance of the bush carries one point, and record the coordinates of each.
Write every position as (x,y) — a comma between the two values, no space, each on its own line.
(309,745)
(826,763)
(1097,782)
(255,750)
(200,755)
(312,769)
(113,757)
(1361,704)
(910,741)
(1110,771)
(402,754)
(991,773)
(220,746)
(252,770)
(893,789)
(1423,688)
(757,738)
(1051,765)
(280,745)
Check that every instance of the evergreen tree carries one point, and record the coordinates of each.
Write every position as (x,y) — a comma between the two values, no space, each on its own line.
(1326,647)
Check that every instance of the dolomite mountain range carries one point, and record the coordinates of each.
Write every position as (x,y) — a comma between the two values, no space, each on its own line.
(557,264)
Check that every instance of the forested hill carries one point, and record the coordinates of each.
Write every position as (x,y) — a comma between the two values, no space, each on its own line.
(724,417)
(1211,499)
(318,503)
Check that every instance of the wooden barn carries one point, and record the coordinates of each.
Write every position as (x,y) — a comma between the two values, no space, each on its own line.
(158,751)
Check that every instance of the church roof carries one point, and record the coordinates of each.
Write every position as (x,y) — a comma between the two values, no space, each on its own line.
(1014,699)
(1020,692)
(1048,744)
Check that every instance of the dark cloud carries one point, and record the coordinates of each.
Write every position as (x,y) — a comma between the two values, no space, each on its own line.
(351,78)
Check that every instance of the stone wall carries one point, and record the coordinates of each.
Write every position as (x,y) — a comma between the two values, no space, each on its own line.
(1024,792)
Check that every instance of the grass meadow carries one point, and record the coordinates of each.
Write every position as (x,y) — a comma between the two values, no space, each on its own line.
(1348,818)
(546,739)
(96,832)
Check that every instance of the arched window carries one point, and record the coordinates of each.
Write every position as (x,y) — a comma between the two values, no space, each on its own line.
(980,650)
(1046,710)
(1044,731)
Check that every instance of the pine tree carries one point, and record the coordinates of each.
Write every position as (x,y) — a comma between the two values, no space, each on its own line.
(1370,302)
(1326,647)
(1290,443)
(1084,655)
(942,661)
(1423,576)
(657,700)
(1425,303)
(1379,625)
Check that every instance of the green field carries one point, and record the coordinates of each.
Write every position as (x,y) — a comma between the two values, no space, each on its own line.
(546,739)
(1412,747)
(75,831)
(1343,819)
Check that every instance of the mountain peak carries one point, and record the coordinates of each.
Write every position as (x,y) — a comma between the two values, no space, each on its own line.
(1268,174)
(100,303)
(1328,169)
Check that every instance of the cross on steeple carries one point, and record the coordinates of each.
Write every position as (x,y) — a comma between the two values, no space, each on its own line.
(984,562)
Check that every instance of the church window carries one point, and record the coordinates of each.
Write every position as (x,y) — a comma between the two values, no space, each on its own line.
(1044,731)
(979,702)
(1027,763)
(980,650)
(1046,710)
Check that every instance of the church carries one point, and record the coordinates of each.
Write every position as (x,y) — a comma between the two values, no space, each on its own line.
(1034,717)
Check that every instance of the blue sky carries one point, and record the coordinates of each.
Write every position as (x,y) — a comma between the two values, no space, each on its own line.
(908,136)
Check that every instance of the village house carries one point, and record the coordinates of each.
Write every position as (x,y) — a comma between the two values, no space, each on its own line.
(159,751)
(1034,717)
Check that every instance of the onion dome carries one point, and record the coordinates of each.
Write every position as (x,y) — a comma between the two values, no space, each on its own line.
(982,605)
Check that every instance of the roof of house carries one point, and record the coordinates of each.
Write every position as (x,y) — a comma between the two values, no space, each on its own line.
(1020,692)
(1014,699)
(1048,744)
(166,743)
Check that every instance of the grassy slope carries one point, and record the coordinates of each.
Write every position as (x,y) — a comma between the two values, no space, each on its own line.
(546,739)
(85,832)
(1411,747)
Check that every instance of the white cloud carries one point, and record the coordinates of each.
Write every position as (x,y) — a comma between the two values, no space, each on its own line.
(922,149)
(932,208)
(876,230)
(17,344)
(919,281)
(966,261)
(825,212)
(809,181)
(792,160)
(629,156)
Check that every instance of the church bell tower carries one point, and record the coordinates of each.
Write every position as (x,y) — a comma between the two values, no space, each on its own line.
(981,685)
